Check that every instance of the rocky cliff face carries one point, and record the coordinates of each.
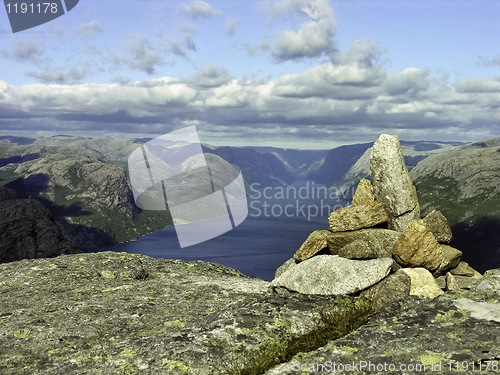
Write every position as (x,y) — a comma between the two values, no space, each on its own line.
(28,231)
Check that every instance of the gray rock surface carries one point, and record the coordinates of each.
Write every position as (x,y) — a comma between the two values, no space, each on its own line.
(392,183)
(358,216)
(414,336)
(463,269)
(27,230)
(118,313)
(7,194)
(333,275)
(359,250)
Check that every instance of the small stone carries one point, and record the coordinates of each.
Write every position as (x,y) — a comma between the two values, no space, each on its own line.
(364,193)
(451,259)
(357,217)
(437,223)
(316,242)
(392,183)
(422,283)
(451,282)
(417,247)
(333,275)
(463,269)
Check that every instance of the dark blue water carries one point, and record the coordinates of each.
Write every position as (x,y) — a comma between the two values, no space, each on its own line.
(257,247)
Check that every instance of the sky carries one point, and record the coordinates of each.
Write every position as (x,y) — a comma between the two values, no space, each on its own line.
(303,74)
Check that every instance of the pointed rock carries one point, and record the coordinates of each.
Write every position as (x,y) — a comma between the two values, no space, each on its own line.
(437,223)
(417,247)
(357,217)
(392,183)
(333,275)
(451,282)
(364,193)
(451,259)
(463,269)
(316,242)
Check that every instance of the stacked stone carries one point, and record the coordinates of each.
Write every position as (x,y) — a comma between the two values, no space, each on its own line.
(379,245)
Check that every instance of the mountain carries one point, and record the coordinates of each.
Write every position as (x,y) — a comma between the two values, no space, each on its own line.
(464,183)
(414,152)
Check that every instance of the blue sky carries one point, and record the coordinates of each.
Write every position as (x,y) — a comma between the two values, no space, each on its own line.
(288,73)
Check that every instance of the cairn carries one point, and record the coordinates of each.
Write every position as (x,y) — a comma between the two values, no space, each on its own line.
(379,246)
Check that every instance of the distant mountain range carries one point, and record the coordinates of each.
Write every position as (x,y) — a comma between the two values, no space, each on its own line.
(84,182)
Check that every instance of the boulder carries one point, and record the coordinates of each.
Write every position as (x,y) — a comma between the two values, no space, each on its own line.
(422,283)
(357,217)
(285,266)
(333,275)
(451,259)
(395,287)
(380,240)
(437,223)
(364,193)
(392,183)
(417,247)
(490,282)
(359,250)
(316,242)
(119,313)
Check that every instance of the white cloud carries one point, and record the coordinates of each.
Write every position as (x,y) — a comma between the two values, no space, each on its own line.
(314,38)
(138,52)
(88,29)
(200,9)
(24,50)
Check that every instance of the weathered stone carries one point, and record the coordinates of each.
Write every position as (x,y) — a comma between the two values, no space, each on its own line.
(364,193)
(333,275)
(357,217)
(489,282)
(417,247)
(451,282)
(285,266)
(463,269)
(392,183)
(359,250)
(437,223)
(466,282)
(422,283)
(425,336)
(316,242)
(118,313)
(395,287)
(451,259)
(380,240)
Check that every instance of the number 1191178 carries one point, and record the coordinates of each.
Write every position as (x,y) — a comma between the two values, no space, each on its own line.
(38,8)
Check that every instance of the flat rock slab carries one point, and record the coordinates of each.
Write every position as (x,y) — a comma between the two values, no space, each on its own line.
(333,275)
(414,337)
(118,313)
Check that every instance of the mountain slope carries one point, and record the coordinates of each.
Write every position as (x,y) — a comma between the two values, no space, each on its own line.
(464,183)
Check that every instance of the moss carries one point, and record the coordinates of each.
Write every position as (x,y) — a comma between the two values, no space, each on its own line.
(452,317)
(175,365)
(430,359)
(174,324)
(22,334)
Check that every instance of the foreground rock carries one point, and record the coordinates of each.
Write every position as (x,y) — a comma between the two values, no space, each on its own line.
(392,183)
(27,230)
(118,313)
(333,275)
(454,333)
